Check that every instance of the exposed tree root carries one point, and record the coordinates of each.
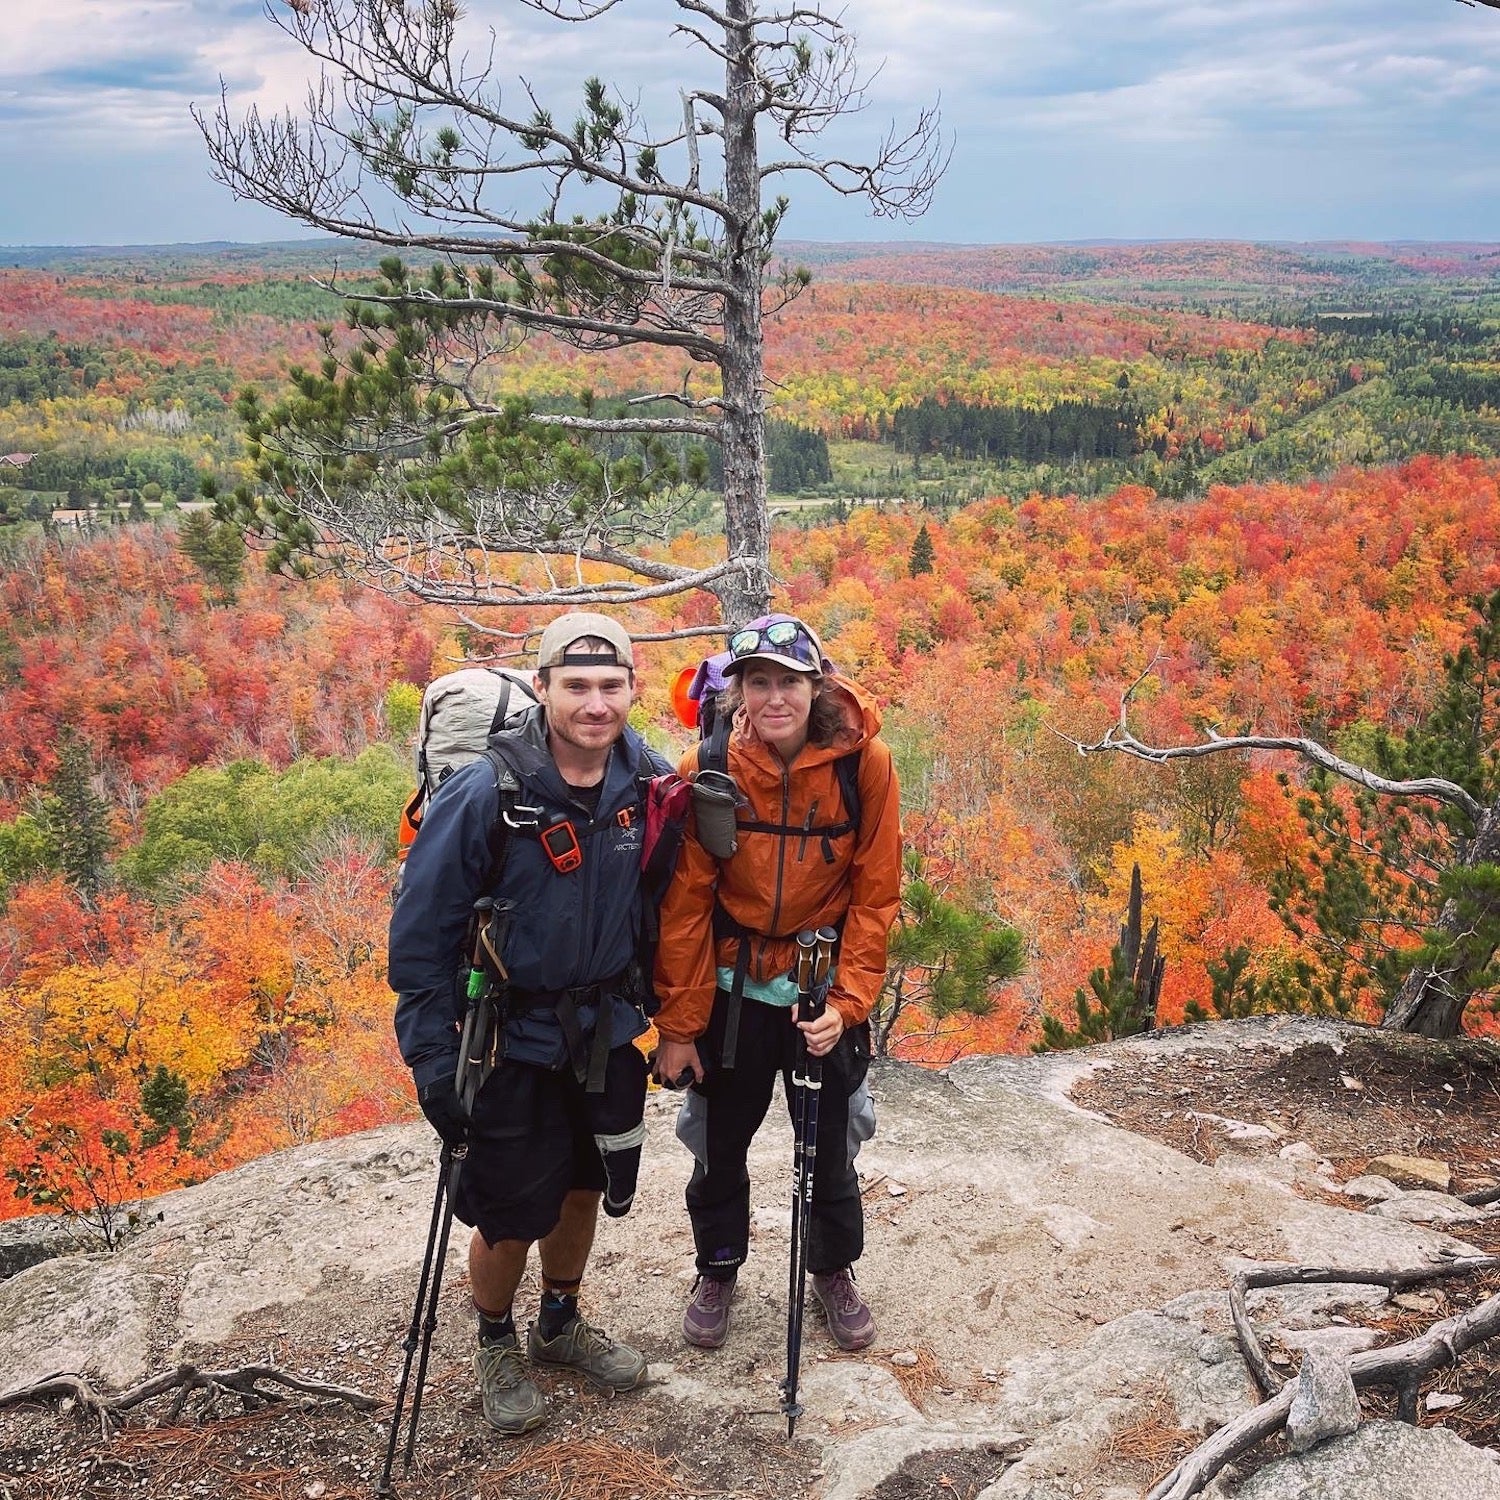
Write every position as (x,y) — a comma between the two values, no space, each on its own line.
(249,1383)
(1401,1365)
(1268,1276)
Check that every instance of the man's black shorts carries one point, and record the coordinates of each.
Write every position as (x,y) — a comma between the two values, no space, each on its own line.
(532,1143)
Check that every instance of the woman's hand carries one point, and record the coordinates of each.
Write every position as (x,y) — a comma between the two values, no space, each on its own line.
(676,1064)
(823,1034)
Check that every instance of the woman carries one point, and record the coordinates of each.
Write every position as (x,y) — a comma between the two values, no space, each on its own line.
(728,931)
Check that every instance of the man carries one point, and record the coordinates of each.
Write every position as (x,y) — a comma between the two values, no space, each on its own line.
(551,828)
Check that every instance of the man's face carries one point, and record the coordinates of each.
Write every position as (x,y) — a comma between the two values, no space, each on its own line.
(586,706)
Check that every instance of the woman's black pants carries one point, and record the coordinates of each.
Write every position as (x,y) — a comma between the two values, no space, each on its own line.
(721,1118)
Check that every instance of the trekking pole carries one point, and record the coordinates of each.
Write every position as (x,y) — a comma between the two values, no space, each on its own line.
(472,1069)
(814,953)
(441,1218)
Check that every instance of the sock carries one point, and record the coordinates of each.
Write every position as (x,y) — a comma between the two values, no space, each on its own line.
(493,1327)
(559,1306)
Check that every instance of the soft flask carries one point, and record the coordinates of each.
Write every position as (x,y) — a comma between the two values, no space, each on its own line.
(715,798)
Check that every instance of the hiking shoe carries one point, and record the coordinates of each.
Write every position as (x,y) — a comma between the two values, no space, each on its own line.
(607,1363)
(512,1404)
(705,1324)
(849,1320)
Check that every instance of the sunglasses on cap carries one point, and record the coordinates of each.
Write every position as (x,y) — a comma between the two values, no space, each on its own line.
(780,638)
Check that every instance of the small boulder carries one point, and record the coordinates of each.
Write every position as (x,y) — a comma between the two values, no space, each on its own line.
(1340,1341)
(1385,1460)
(1374,1189)
(1325,1404)
(1427,1208)
(1413,1172)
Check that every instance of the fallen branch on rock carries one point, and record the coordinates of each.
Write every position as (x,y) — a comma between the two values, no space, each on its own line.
(1401,1366)
(1284,1275)
(252,1384)
(1480,1196)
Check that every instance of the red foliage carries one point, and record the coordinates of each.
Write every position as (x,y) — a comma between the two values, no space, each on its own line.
(109,638)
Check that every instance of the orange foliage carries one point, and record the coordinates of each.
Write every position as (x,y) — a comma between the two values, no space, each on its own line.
(1286,608)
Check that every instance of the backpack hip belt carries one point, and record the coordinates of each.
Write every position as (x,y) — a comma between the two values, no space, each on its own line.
(588,1062)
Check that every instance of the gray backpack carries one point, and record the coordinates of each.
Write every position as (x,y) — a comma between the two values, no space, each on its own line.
(460,711)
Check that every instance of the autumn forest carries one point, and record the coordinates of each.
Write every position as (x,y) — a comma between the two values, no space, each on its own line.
(1218,489)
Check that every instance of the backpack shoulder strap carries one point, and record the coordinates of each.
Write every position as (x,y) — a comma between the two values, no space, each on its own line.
(713,752)
(502,706)
(846,768)
(508,784)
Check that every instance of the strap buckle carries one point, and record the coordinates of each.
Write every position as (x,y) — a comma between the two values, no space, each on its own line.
(521,815)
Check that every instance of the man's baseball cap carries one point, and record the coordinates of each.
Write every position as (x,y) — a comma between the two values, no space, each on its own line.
(566,629)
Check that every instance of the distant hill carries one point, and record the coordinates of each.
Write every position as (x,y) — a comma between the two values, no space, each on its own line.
(163,260)
(1124,270)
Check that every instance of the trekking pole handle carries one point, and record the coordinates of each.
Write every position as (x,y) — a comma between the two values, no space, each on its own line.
(807,943)
(825,938)
(478,921)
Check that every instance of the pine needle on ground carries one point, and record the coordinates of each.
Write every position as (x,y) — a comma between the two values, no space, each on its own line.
(586,1469)
(920,1380)
(1154,1443)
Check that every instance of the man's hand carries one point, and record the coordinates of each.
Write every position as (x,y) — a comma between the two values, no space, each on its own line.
(677,1064)
(439,1102)
(823,1034)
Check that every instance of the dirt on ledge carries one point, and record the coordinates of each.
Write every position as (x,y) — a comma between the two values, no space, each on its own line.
(1375,1094)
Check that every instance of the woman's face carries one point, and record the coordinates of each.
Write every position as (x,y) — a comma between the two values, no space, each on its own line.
(777,702)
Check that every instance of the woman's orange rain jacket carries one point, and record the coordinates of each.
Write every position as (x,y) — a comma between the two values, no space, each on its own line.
(776,886)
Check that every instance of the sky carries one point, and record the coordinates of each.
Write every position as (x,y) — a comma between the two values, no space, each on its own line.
(1100,119)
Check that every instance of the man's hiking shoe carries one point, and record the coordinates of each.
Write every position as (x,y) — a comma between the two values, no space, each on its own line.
(849,1320)
(705,1324)
(512,1404)
(607,1363)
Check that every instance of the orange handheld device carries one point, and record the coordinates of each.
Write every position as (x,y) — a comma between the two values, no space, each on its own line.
(560,842)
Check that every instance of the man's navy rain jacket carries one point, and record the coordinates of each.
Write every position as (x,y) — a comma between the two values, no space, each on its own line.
(567,931)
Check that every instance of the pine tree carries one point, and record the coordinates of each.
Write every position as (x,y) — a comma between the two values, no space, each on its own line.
(1238,993)
(75,819)
(1120,1001)
(217,550)
(1394,887)
(920,560)
(576,221)
(943,958)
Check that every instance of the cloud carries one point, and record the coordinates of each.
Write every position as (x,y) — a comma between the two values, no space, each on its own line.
(123,72)
(1152,71)
(1074,105)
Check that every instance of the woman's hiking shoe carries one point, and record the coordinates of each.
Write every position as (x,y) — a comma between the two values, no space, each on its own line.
(605,1362)
(705,1324)
(849,1320)
(512,1404)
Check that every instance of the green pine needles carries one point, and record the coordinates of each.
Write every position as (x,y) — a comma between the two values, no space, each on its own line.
(943,960)
(1120,1000)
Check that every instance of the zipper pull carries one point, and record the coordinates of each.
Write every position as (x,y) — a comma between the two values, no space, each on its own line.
(812,814)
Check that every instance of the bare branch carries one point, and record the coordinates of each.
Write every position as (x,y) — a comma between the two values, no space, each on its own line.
(1271,1276)
(255,1385)
(1118,737)
(523,642)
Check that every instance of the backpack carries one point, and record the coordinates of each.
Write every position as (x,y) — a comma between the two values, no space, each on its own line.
(460,711)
